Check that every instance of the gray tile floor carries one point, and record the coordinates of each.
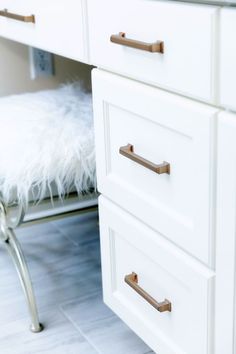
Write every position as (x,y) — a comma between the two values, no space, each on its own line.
(64,260)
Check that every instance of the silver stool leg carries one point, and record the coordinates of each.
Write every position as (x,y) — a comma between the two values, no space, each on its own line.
(8,236)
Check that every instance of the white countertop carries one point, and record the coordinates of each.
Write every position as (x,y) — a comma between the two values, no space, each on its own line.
(211,2)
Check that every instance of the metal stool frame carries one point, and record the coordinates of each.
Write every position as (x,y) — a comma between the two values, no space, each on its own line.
(8,224)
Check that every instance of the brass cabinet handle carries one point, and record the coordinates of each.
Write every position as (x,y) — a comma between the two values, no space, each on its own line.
(16,17)
(128,151)
(156,47)
(132,281)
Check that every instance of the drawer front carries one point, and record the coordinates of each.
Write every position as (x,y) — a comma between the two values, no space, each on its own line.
(188,34)
(58,25)
(163,272)
(162,127)
(228,59)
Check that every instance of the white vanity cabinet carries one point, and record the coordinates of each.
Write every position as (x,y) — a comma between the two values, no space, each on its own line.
(147,219)
(166,167)
(56,26)
(166,157)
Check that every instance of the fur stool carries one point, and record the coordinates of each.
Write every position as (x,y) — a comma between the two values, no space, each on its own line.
(46,139)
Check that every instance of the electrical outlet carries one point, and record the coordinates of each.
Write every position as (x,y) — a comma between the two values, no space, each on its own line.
(41,63)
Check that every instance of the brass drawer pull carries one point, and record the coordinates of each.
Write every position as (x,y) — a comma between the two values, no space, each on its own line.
(128,151)
(16,17)
(156,47)
(132,281)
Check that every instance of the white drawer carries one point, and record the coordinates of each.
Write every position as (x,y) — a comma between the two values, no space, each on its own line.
(58,25)
(164,272)
(228,58)
(161,127)
(188,33)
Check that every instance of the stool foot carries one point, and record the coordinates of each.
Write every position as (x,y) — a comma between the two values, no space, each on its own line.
(17,256)
(38,329)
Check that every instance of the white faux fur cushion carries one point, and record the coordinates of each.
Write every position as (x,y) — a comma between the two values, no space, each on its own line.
(46,137)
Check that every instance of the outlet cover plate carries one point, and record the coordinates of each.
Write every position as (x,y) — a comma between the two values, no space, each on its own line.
(41,63)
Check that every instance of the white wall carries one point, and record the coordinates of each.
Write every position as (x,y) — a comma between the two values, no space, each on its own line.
(15,70)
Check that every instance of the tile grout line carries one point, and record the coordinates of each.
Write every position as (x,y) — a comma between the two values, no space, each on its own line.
(77,328)
(65,235)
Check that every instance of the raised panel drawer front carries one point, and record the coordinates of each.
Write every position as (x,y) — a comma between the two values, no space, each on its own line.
(164,275)
(57,26)
(181,36)
(228,58)
(164,130)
